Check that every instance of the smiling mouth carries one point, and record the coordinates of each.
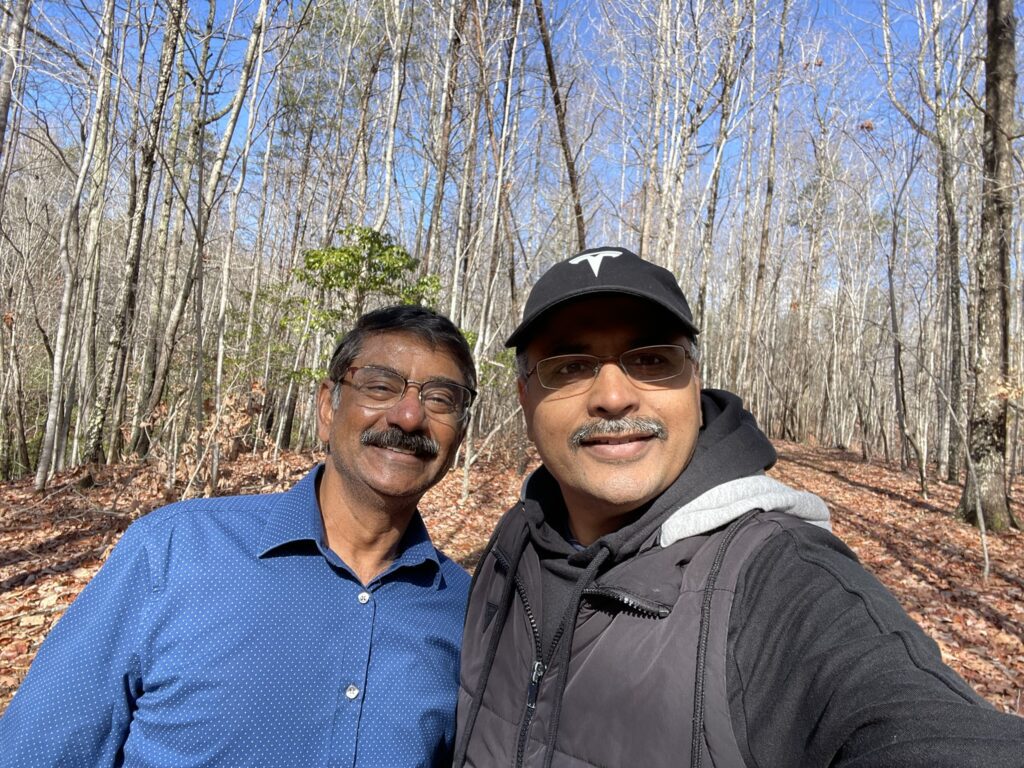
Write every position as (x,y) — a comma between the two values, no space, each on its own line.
(628,430)
(616,439)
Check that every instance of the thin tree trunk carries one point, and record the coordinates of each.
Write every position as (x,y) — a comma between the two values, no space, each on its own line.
(400,53)
(13,47)
(442,140)
(125,309)
(54,411)
(255,44)
(563,134)
(17,389)
(159,301)
(750,332)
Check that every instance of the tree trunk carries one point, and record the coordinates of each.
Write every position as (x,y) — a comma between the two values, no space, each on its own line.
(442,140)
(54,410)
(985,491)
(166,255)
(400,53)
(125,309)
(255,44)
(951,257)
(16,391)
(563,134)
(11,60)
(764,239)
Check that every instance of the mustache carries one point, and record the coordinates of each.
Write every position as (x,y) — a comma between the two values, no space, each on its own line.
(393,437)
(623,426)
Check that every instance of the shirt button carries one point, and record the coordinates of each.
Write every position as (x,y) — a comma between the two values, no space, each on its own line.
(364,597)
(351,692)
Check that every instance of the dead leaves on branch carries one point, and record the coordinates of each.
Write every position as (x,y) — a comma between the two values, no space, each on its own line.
(51,544)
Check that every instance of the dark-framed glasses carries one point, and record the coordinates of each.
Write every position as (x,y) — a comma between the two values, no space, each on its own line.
(381,388)
(644,365)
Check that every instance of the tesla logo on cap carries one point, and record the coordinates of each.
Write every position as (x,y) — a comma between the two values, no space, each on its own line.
(594,259)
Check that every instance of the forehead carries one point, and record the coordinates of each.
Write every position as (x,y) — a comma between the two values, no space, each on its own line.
(604,325)
(409,355)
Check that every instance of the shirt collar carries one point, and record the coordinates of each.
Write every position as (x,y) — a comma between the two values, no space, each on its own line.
(296,517)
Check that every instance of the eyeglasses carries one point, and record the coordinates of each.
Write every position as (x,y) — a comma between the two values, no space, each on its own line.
(644,365)
(382,388)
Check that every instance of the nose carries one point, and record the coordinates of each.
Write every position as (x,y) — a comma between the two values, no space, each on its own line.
(612,394)
(408,413)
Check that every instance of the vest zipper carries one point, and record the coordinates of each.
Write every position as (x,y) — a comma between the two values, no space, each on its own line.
(536,675)
(538,670)
(641,606)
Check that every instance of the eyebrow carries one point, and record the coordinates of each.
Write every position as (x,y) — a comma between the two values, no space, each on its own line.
(431,380)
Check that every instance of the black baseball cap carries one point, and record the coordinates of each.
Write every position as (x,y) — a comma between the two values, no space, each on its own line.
(604,270)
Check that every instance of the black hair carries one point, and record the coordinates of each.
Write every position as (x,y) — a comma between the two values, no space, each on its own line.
(425,324)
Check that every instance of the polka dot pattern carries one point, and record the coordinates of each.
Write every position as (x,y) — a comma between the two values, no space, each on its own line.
(223,632)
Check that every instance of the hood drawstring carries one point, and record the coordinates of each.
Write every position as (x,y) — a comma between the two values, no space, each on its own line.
(563,647)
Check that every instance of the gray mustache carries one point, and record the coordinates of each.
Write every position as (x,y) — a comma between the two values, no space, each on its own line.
(393,437)
(626,425)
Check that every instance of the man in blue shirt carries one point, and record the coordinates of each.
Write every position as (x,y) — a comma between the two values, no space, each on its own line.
(316,627)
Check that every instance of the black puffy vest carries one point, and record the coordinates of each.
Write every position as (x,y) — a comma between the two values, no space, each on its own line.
(647,668)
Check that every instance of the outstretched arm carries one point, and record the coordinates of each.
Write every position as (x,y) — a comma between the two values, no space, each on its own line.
(826,669)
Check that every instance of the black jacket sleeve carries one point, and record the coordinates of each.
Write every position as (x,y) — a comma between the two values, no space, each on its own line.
(826,669)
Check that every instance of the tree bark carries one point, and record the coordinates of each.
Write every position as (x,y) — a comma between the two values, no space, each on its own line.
(442,140)
(125,309)
(985,489)
(400,53)
(764,239)
(54,411)
(15,37)
(563,134)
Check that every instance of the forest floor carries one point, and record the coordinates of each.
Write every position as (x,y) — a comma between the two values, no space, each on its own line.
(52,543)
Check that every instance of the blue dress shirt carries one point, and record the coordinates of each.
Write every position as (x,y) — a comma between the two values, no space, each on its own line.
(224,632)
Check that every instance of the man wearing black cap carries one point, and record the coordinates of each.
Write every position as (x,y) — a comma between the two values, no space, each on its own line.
(655,600)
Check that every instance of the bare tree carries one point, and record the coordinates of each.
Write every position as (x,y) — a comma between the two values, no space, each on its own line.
(12,49)
(563,134)
(934,59)
(125,311)
(985,490)
(68,265)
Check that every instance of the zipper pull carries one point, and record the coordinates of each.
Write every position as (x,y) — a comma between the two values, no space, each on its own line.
(531,693)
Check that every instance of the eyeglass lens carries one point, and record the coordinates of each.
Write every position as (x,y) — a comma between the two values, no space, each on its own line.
(644,364)
(381,388)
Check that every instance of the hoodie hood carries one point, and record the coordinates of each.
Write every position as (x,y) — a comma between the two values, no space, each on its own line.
(728,501)
(729,447)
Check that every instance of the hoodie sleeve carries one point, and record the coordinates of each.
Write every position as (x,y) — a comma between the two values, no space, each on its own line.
(826,669)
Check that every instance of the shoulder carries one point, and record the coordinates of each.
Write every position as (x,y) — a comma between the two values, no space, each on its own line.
(496,556)
(199,514)
(821,644)
(807,569)
(225,529)
(800,559)
(455,577)
(805,595)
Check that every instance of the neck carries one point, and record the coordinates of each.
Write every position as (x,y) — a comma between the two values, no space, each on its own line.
(363,532)
(588,528)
